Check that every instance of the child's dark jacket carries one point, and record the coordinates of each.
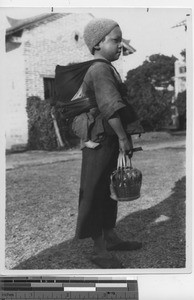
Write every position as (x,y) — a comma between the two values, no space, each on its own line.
(102,84)
(97,211)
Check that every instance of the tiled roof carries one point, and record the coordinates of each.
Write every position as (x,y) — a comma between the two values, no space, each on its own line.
(127,48)
(17,25)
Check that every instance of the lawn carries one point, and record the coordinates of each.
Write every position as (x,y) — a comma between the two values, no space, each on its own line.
(41,211)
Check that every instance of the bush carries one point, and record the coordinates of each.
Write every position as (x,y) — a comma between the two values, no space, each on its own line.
(144,86)
(181,105)
(152,107)
(41,133)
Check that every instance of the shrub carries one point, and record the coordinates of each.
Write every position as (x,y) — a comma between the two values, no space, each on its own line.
(144,86)
(152,107)
(41,134)
(181,105)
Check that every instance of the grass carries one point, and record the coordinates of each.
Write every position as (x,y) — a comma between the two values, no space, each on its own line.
(41,212)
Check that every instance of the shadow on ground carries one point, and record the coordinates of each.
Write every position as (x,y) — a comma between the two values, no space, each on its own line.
(161,228)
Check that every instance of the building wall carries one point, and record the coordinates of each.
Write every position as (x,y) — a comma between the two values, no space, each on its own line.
(180,77)
(50,44)
(16,118)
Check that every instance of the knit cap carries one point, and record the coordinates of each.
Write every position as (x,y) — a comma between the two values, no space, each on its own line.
(96,30)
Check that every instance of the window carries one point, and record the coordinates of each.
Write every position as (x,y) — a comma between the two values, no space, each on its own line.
(182,69)
(49,88)
(76,37)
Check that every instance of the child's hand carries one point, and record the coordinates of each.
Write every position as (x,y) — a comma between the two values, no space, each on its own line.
(126,146)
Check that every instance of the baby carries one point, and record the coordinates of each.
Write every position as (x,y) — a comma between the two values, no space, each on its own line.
(87,120)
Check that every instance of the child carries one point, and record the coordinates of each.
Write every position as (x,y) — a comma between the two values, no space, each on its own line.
(107,126)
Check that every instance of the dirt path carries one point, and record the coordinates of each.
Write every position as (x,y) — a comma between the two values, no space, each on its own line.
(30,158)
(41,211)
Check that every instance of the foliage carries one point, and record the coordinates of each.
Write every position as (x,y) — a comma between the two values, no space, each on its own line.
(152,105)
(160,69)
(41,134)
(41,130)
(181,105)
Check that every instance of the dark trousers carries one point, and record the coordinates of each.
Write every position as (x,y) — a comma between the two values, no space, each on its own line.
(97,211)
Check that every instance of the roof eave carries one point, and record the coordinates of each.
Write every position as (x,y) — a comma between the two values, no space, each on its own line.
(26,24)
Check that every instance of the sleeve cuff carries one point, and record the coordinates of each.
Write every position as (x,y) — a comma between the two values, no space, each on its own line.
(109,113)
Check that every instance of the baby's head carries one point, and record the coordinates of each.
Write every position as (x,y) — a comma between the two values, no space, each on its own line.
(103,38)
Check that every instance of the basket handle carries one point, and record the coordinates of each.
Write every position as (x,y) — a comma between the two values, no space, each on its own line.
(128,161)
(123,160)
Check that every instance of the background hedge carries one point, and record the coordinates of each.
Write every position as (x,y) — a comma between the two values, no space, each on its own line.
(181,105)
(152,107)
(147,89)
(41,132)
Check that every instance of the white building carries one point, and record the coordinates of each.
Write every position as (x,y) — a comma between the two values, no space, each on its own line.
(180,77)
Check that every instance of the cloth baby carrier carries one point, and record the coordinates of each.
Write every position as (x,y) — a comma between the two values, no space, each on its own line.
(68,80)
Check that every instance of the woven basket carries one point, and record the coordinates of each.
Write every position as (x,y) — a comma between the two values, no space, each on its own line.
(125,181)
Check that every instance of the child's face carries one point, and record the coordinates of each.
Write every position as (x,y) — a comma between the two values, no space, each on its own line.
(110,47)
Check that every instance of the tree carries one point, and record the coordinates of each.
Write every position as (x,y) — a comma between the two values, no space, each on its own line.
(182,106)
(147,90)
